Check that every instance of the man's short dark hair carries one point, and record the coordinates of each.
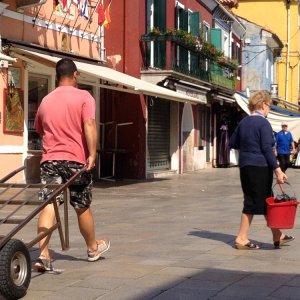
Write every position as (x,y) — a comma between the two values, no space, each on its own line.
(65,68)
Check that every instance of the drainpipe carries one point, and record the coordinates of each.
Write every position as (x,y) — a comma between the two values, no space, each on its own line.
(287,50)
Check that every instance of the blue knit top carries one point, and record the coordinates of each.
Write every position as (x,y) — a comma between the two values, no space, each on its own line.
(255,140)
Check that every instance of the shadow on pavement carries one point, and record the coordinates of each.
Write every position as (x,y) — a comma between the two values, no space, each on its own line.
(123,182)
(227,238)
(221,284)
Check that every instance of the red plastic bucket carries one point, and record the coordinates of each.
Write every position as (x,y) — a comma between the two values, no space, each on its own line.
(281,215)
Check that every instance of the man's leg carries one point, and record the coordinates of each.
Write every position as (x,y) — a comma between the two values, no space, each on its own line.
(287,161)
(281,161)
(80,199)
(49,175)
(87,227)
(46,221)
(95,248)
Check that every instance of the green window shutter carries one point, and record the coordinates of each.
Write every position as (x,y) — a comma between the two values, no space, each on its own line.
(194,30)
(148,14)
(183,53)
(176,17)
(160,14)
(159,7)
(194,23)
(183,19)
(160,54)
(216,38)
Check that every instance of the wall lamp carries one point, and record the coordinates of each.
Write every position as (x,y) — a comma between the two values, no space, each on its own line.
(11,89)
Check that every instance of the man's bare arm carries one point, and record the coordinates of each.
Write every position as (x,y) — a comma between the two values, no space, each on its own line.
(90,131)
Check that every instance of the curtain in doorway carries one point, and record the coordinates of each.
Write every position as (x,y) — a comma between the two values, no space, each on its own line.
(224,151)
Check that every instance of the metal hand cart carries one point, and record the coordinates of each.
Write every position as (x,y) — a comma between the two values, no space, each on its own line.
(19,204)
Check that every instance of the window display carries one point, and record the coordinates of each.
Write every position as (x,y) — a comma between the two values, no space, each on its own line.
(38,86)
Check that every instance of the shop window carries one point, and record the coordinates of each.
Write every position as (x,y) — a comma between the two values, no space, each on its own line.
(38,88)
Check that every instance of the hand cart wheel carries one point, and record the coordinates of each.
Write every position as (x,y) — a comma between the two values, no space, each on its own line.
(15,269)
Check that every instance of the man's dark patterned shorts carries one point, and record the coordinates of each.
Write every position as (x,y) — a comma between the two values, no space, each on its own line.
(59,172)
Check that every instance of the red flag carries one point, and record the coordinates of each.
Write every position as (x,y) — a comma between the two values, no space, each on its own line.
(64,3)
(101,16)
(107,16)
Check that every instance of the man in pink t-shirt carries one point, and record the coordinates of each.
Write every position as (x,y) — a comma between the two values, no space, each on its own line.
(66,122)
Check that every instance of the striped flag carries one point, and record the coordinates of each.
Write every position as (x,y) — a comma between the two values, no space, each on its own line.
(107,16)
(83,9)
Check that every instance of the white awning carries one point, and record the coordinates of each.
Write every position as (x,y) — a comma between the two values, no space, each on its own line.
(130,83)
(7,58)
(274,118)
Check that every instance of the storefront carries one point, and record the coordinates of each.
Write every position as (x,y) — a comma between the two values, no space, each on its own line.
(37,78)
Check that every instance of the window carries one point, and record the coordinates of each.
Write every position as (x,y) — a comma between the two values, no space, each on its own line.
(38,88)
(205,31)
(156,18)
(188,21)
(226,44)
(233,50)
(239,59)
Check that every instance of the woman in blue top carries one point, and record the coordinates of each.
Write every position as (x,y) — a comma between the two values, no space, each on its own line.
(255,141)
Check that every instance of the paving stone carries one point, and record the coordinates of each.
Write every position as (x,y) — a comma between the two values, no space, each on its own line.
(287,292)
(171,239)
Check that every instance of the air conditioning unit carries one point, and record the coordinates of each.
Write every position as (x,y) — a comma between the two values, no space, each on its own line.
(274,90)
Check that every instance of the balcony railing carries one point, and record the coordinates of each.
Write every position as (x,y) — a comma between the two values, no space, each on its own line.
(203,62)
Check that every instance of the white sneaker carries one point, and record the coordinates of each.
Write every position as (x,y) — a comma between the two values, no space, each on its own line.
(102,246)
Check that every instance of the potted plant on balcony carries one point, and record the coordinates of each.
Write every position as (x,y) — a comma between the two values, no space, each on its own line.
(228,62)
(211,51)
(154,34)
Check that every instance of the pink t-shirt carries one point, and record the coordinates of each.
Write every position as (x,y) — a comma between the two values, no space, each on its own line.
(59,120)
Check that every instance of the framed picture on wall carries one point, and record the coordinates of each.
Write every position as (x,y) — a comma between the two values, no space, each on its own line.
(13,111)
(14,77)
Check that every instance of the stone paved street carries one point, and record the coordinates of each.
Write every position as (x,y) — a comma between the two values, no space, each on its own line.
(171,239)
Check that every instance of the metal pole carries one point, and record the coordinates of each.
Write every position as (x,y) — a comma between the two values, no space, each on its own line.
(74,25)
(62,23)
(287,51)
(95,32)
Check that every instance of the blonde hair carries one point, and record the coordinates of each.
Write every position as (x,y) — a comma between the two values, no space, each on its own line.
(257,100)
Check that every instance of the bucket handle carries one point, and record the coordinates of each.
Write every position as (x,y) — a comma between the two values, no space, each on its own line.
(281,186)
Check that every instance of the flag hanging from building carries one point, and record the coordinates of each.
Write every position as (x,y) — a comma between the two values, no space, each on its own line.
(64,3)
(107,15)
(76,4)
(101,16)
(83,9)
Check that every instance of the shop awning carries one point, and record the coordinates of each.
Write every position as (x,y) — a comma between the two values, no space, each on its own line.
(275,118)
(115,79)
(7,58)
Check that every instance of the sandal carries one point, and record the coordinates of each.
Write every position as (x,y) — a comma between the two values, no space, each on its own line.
(43,264)
(286,239)
(248,246)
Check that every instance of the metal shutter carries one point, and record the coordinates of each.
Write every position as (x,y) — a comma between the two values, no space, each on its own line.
(158,134)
